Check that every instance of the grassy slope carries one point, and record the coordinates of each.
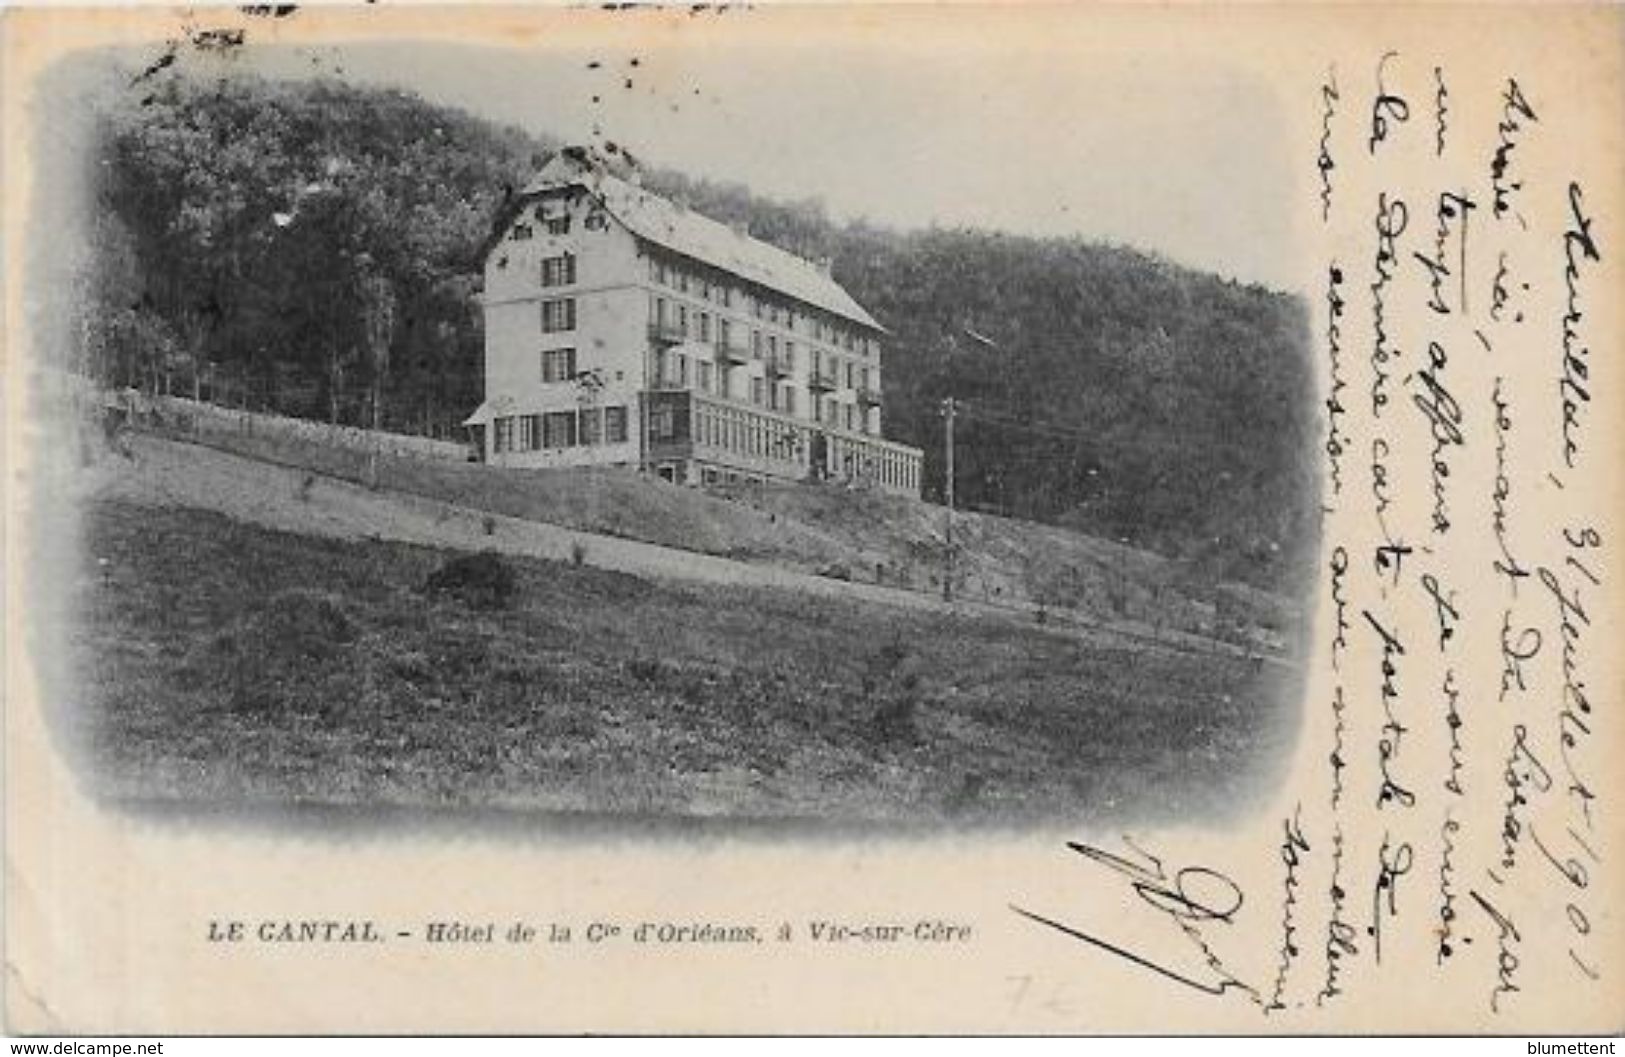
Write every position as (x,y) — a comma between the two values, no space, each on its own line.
(227,663)
(875,537)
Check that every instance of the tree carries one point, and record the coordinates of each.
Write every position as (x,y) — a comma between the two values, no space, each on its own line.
(320,243)
(377,302)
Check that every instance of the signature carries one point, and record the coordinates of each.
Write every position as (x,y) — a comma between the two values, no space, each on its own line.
(1191,897)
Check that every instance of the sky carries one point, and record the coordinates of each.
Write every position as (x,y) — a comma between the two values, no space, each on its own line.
(1160,153)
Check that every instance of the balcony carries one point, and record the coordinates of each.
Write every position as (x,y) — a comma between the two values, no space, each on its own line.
(777,367)
(869,395)
(732,433)
(666,332)
(732,352)
(822,380)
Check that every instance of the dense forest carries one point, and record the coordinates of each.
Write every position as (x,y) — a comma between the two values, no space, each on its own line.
(312,249)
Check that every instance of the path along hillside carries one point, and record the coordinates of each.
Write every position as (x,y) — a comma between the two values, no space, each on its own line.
(836,532)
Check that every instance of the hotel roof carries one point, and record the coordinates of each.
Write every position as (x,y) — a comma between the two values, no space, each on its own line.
(664,223)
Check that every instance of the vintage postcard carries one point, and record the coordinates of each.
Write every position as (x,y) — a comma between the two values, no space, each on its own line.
(840,518)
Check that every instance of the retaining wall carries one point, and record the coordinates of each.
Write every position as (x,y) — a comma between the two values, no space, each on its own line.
(210,418)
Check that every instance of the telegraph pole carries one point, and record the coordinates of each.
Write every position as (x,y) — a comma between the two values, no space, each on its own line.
(948,532)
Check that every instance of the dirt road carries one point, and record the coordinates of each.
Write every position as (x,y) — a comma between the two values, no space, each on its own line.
(175,473)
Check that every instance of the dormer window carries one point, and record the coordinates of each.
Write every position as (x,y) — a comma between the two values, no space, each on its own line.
(554,217)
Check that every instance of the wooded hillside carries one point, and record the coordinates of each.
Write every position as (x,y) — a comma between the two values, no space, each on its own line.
(311,249)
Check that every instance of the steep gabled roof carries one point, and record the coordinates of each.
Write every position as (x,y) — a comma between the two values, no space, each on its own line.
(664,223)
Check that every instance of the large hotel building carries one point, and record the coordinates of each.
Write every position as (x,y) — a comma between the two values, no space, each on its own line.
(624,329)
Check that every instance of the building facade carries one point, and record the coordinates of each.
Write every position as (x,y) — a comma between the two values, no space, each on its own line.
(624,329)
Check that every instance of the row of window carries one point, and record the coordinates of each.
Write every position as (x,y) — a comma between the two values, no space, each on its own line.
(778,311)
(559,365)
(749,435)
(890,470)
(681,372)
(887,468)
(704,376)
(554,218)
(849,417)
(752,435)
(559,316)
(558,429)
(554,225)
(780,398)
(697,324)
